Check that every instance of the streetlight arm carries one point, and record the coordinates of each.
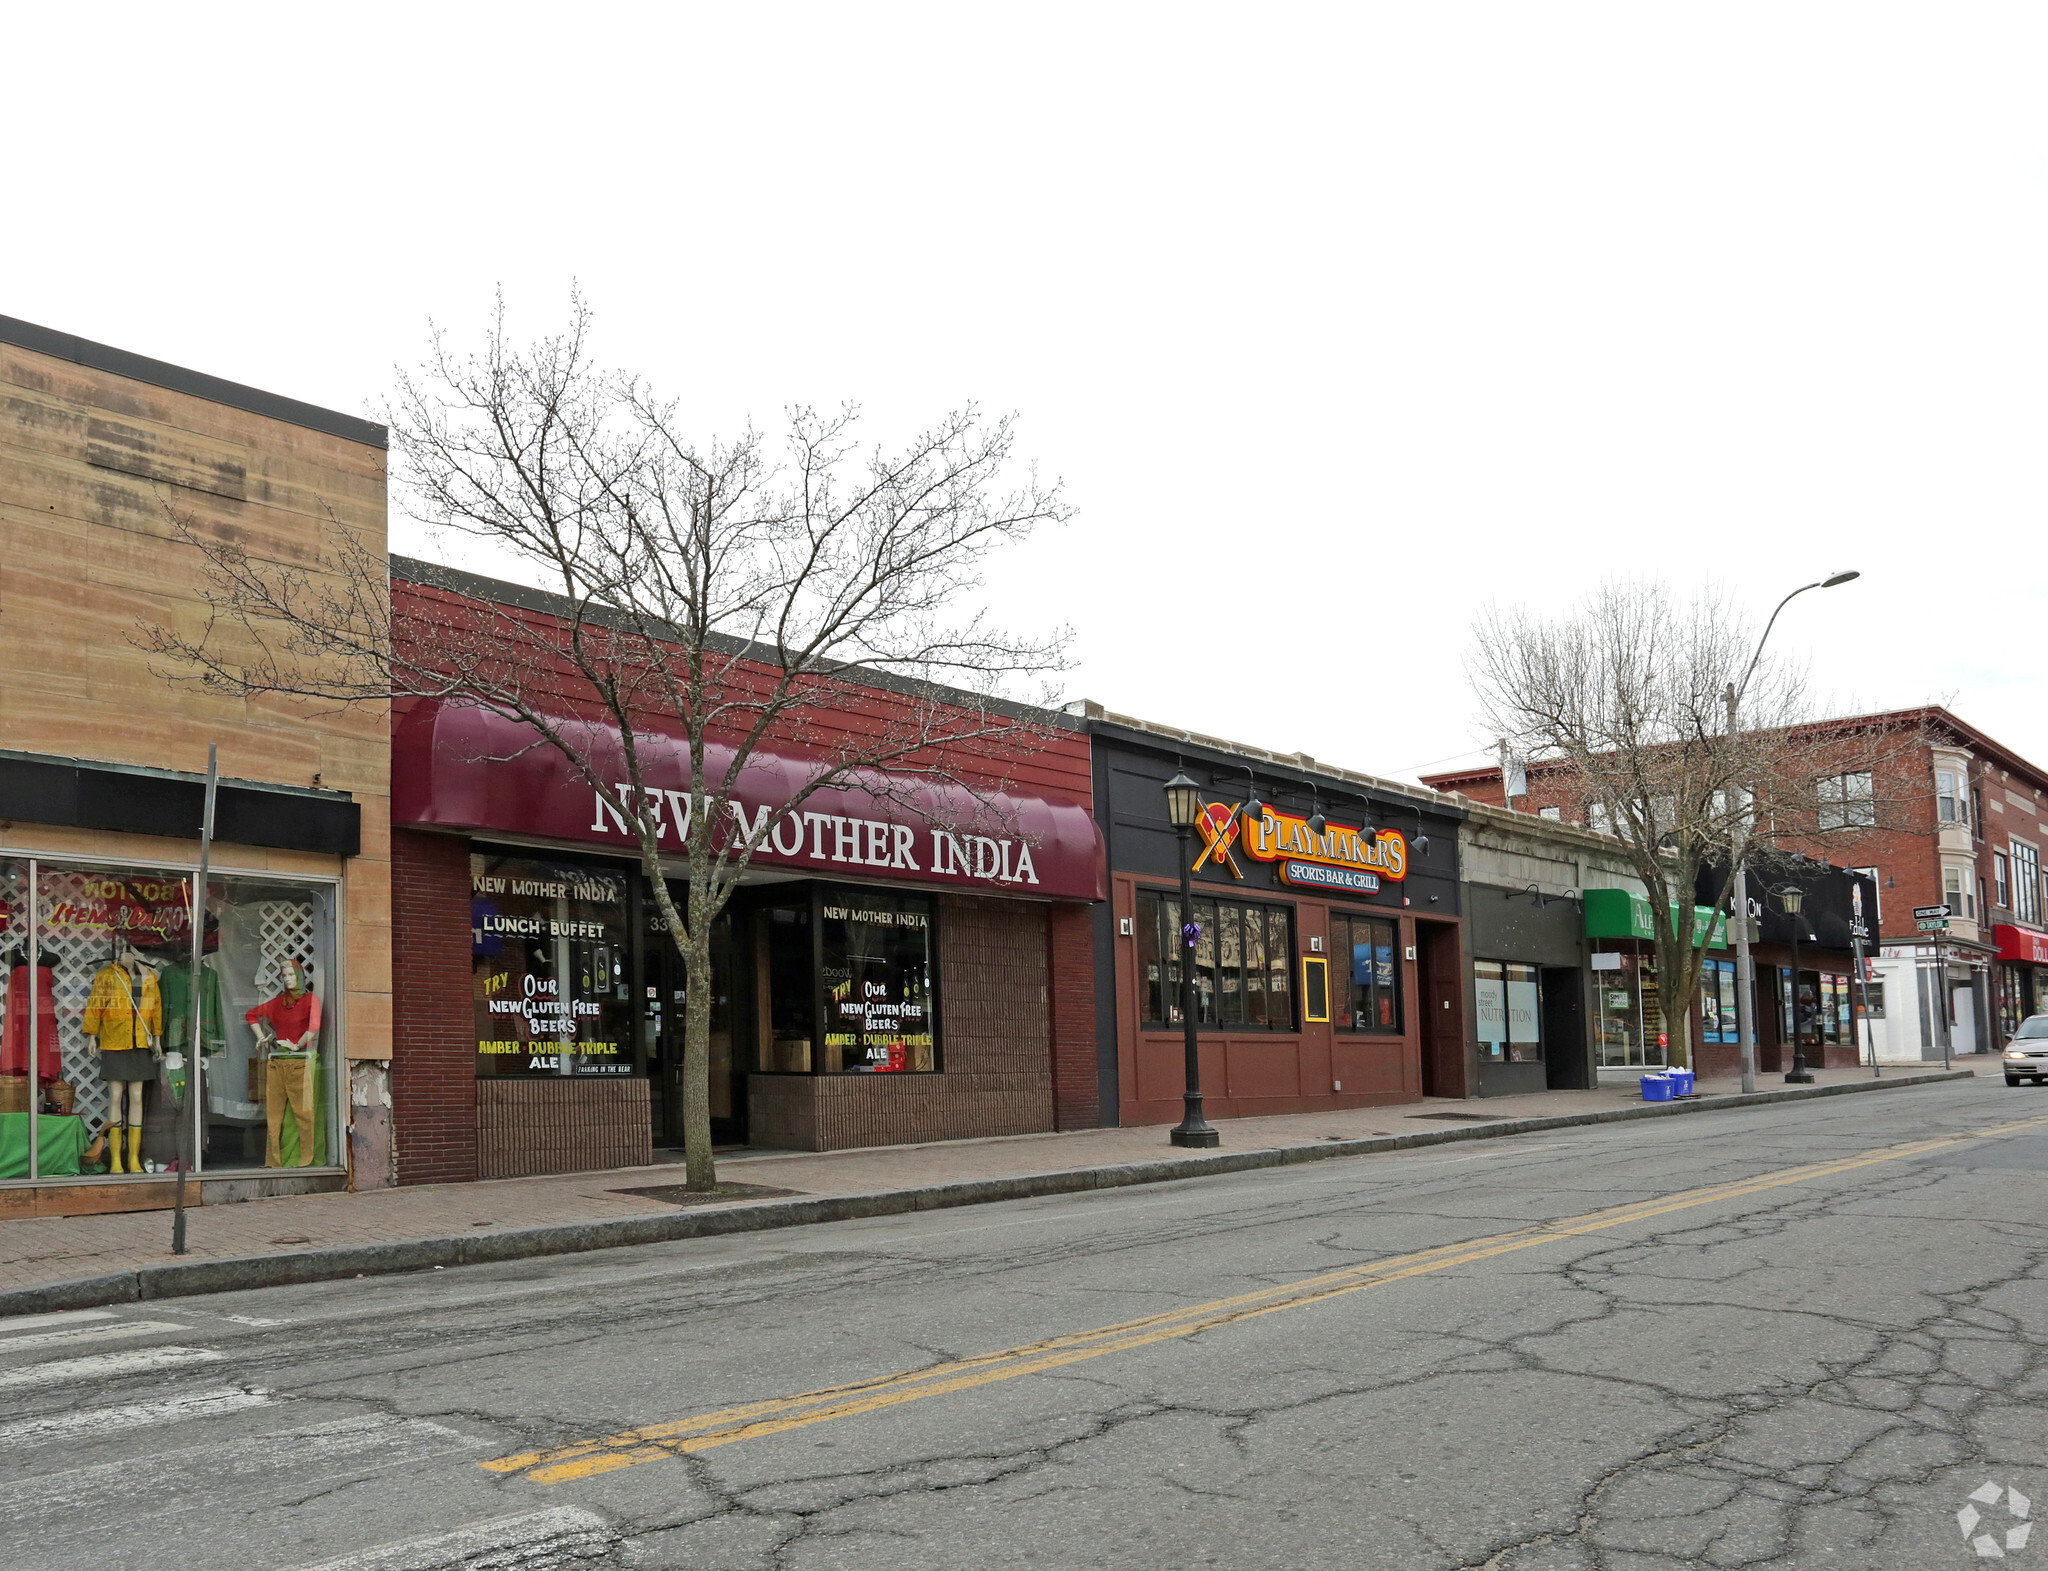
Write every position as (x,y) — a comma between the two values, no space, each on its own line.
(1743,686)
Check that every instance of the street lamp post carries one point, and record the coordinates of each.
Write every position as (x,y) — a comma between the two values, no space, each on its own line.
(1745,967)
(1183,807)
(1791,897)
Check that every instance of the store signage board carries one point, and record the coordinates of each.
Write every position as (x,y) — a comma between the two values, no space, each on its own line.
(462,768)
(2021,943)
(1343,856)
(1616,913)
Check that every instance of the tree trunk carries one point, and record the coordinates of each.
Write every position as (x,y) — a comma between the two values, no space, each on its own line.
(699,1170)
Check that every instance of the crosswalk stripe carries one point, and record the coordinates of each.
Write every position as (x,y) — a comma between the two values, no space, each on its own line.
(99,1333)
(509,1541)
(63,1317)
(169,1410)
(136,1361)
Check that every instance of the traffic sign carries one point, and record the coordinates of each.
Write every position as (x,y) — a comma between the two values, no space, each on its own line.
(1933,924)
(1929,913)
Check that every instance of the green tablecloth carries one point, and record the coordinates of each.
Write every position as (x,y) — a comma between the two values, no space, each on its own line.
(62,1141)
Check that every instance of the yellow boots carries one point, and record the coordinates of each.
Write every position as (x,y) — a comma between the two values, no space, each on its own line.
(116,1134)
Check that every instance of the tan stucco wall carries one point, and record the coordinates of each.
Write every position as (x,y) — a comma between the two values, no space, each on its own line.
(90,462)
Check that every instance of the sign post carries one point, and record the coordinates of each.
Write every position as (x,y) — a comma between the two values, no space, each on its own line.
(188,1111)
(1857,933)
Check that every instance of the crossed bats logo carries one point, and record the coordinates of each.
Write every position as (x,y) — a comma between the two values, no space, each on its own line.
(1987,1545)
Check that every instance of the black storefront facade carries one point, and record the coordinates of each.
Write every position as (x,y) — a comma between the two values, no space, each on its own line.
(1328,958)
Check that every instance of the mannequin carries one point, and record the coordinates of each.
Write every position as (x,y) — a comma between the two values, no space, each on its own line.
(288,1033)
(14,1035)
(125,1012)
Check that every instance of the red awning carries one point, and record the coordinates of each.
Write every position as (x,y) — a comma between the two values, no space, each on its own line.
(455,767)
(2021,943)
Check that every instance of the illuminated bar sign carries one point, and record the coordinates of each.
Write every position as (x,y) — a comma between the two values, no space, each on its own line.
(1341,857)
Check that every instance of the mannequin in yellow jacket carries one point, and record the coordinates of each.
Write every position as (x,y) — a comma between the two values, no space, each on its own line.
(125,1013)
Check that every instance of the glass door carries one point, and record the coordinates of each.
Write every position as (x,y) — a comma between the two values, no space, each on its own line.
(667,996)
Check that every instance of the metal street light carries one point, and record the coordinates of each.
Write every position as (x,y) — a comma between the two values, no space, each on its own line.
(1745,967)
(1183,807)
(1791,898)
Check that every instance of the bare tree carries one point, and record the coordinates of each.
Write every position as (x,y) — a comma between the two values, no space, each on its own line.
(1628,696)
(715,594)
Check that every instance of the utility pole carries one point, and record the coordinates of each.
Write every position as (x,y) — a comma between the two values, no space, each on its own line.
(1745,967)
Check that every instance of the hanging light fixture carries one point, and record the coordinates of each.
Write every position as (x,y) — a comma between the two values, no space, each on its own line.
(1253,809)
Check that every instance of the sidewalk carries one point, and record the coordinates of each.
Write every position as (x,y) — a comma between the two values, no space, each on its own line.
(65,1262)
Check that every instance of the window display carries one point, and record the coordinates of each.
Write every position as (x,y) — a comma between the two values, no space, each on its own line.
(1243,962)
(879,980)
(1509,1011)
(100,995)
(1630,1021)
(1362,952)
(549,946)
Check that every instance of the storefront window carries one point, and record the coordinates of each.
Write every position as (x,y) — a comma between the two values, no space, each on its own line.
(1243,963)
(1631,1026)
(2012,1007)
(880,979)
(1362,950)
(98,1059)
(549,969)
(1509,1011)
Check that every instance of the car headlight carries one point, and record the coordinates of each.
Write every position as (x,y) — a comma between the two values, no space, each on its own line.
(2015,1052)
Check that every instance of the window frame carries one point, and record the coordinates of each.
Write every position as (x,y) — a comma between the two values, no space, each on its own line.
(2026,882)
(1169,953)
(1393,924)
(1846,801)
(1507,1047)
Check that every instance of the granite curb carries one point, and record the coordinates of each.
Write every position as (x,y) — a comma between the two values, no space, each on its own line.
(186,1278)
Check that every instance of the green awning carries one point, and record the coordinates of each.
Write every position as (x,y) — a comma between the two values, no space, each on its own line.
(1615,913)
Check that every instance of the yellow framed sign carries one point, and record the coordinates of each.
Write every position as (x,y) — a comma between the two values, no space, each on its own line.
(1315,990)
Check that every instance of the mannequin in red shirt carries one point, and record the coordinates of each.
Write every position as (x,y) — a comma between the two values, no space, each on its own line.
(288,1033)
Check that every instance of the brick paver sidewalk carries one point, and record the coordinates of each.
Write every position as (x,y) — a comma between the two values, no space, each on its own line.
(58,1249)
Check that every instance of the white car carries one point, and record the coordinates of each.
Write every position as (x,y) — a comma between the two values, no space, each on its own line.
(2026,1055)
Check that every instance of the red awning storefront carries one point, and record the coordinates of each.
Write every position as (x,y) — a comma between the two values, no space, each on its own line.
(2021,943)
(456,767)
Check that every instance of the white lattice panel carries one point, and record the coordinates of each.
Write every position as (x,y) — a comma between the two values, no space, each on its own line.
(286,928)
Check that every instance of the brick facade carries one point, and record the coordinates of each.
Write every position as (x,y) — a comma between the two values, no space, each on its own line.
(528,1127)
(1070,967)
(433,1071)
(995,1025)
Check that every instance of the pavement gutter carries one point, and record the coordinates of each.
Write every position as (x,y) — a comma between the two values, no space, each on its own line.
(185,1278)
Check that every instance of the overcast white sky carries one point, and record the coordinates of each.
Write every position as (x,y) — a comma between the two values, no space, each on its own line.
(1337,321)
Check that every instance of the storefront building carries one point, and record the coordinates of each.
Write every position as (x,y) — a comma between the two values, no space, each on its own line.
(879,977)
(1543,1017)
(102,781)
(1327,958)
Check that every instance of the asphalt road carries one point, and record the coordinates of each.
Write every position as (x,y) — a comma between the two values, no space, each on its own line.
(1795,1336)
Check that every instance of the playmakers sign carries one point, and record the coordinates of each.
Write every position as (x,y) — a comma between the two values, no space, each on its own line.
(1341,857)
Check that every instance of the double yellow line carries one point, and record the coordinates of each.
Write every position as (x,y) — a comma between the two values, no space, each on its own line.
(652,1442)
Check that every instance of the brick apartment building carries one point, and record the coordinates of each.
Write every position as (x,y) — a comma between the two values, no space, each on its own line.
(1965,825)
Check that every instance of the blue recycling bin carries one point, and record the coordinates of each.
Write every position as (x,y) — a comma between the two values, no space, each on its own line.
(1658,1088)
(1681,1081)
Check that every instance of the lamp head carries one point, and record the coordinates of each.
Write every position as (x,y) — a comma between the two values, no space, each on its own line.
(1183,801)
(1317,823)
(1791,898)
(1253,809)
(1842,577)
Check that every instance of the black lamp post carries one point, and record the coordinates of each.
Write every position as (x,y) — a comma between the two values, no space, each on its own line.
(1791,897)
(1183,807)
